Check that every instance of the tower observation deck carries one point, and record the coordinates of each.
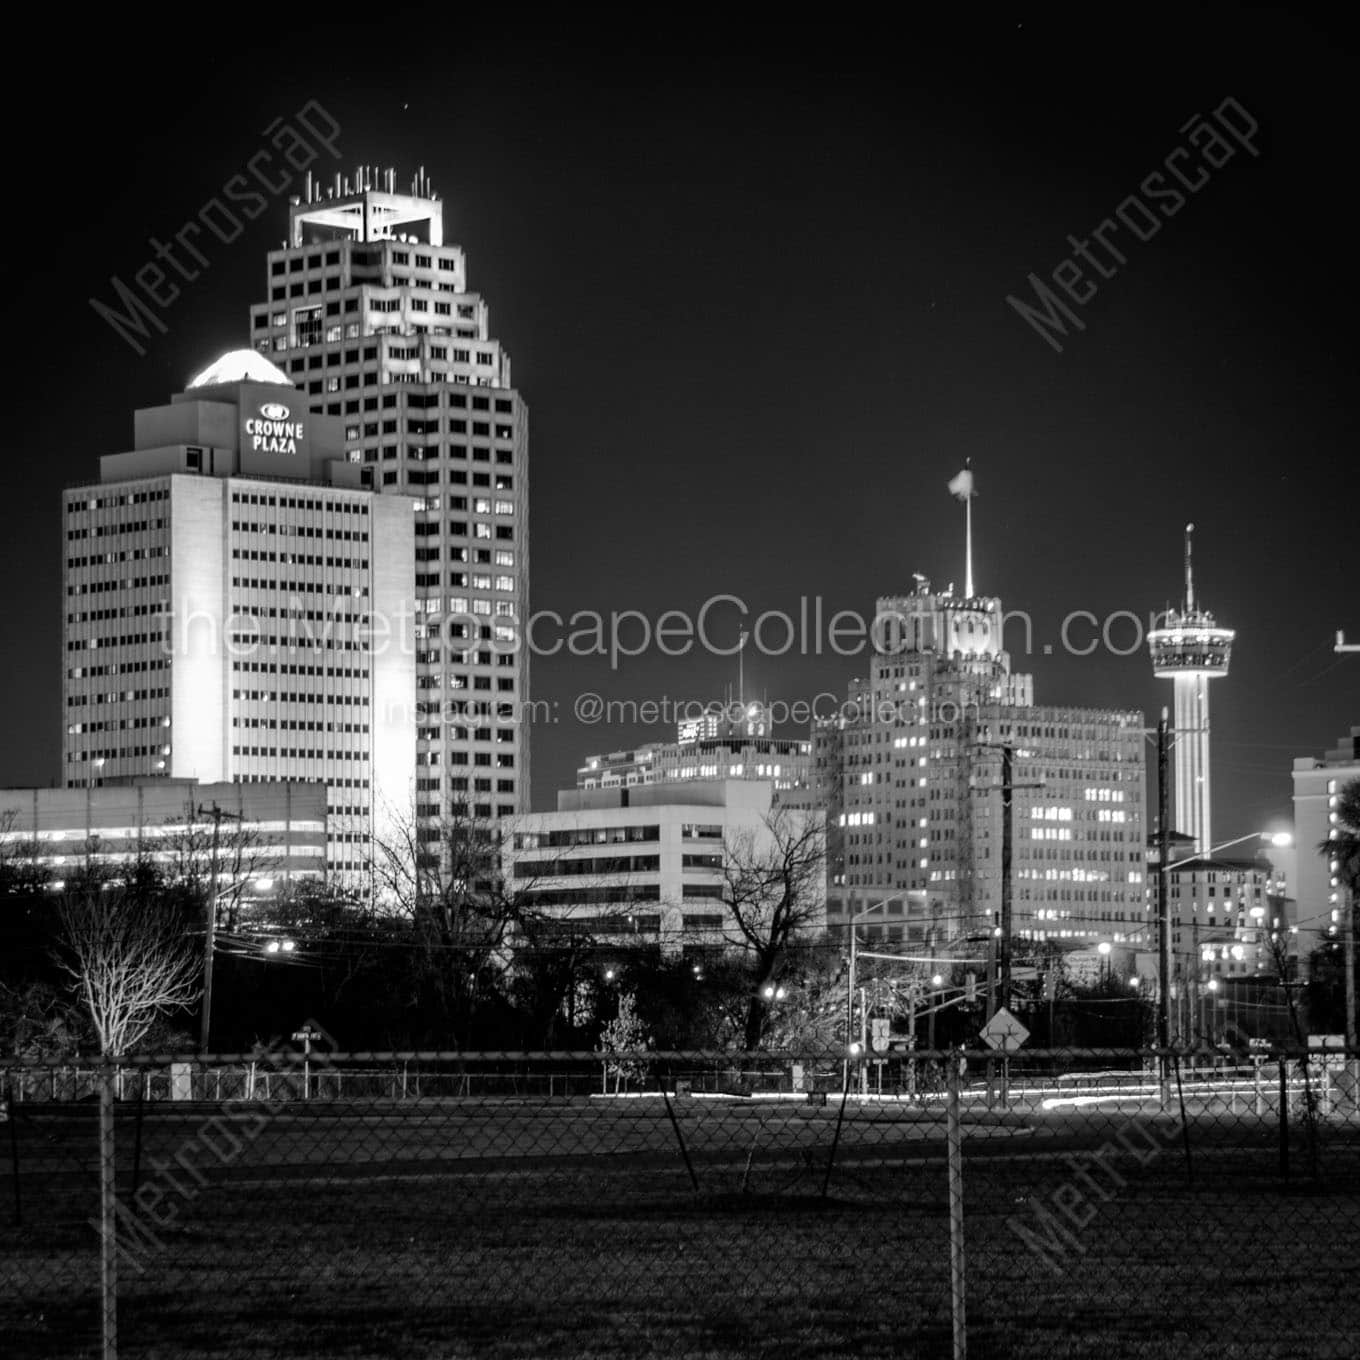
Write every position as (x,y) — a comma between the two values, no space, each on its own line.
(1190,649)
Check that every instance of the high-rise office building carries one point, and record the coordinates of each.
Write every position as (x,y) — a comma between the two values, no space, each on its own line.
(1190,649)
(911,775)
(238,608)
(370,313)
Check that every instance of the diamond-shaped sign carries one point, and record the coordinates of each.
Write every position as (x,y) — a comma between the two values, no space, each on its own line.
(1003,1032)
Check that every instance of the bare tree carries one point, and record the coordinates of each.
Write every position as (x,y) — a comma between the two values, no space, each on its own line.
(37,1024)
(212,859)
(774,893)
(447,880)
(21,871)
(130,959)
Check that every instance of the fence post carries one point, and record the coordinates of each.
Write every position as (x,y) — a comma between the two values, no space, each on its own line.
(1284,1119)
(108,1246)
(679,1137)
(836,1138)
(14,1153)
(137,1144)
(1185,1124)
(958,1279)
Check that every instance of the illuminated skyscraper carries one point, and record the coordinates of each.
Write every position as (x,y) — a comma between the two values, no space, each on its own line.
(370,313)
(1190,649)
(910,774)
(225,582)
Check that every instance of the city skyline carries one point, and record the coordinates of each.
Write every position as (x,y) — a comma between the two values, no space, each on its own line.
(805,379)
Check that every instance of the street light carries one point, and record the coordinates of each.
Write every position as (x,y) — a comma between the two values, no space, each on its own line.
(1103,949)
(1279,840)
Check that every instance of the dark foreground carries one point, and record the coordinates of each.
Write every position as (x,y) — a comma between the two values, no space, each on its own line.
(517,1229)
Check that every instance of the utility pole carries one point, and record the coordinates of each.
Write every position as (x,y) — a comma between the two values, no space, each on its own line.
(1000,962)
(930,1017)
(1007,834)
(1348,932)
(1163,901)
(1348,963)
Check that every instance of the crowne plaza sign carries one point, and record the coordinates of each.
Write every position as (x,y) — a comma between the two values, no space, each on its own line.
(274,430)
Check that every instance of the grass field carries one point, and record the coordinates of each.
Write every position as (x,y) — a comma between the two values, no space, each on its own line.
(521,1229)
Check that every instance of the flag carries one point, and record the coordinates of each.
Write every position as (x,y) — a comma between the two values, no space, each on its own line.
(962,485)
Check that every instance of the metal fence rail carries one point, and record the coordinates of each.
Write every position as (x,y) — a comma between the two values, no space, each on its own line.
(1111,1203)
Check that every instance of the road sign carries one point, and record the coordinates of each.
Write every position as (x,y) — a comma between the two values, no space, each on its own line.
(1003,1032)
(878,1035)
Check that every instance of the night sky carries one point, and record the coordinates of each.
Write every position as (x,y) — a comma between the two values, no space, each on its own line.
(754,290)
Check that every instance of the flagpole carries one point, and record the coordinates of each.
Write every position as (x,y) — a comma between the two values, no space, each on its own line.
(962,487)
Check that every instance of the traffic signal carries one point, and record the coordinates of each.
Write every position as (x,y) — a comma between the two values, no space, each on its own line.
(1050,982)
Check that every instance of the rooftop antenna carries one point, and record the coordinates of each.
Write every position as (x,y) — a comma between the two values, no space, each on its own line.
(741,669)
(1189,570)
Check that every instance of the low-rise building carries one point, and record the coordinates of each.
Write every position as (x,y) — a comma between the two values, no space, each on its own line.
(274,830)
(1321,897)
(649,862)
(732,742)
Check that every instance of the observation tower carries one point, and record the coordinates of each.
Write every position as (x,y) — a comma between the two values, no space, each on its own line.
(1190,649)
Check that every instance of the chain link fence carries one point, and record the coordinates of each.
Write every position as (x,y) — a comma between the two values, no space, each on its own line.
(1065,1204)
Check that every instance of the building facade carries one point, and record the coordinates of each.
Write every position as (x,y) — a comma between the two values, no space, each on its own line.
(1320,894)
(719,745)
(369,311)
(647,863)
(280,827)
(238,609)
(1224,913)
(911,774)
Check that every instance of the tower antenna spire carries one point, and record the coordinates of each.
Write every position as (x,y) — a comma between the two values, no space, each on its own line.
(1189,569)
